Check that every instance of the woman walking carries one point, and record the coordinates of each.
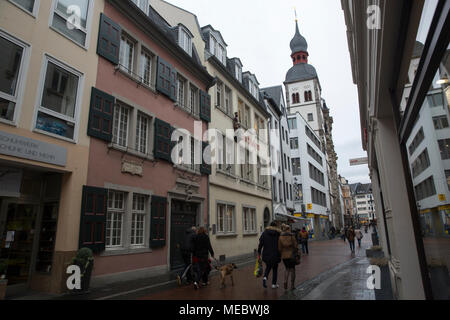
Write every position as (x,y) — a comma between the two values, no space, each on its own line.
(201,248)
(268,245)
(288,247)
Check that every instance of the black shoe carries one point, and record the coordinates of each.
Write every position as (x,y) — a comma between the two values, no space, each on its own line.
(264,282)
(195,285)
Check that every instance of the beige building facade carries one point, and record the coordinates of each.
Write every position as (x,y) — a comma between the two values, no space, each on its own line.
(47,71)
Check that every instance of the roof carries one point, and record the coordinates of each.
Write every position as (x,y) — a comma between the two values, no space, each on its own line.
(298,43)
(360,188)
(275,93)
(300,72)
(205,31)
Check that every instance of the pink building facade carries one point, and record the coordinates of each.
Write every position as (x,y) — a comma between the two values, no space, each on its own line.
(137,203)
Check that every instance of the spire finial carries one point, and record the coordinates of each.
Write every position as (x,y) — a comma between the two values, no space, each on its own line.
(295,11)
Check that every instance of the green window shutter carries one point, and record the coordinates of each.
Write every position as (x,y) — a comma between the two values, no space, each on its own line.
(165,79)
(163,143)
(173,85)
(205,168)
(158,222)
(205,106)
(101,115)
(108,45)
(93,218)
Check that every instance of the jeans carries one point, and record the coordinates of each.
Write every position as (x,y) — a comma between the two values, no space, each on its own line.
(201,270)
(352,245)
(274,268)
(305,246)
(359,242)
(187,264)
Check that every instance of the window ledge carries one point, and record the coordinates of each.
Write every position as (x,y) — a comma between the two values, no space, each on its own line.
(136,79)
(185,169)
(54,135)
(122,251)
(8,122)
(248,182)
(131,152)
(192,115)
(225,173)
(226,235)
(223,111)
(250,234)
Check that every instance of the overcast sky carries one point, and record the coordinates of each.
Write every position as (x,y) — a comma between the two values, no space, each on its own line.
(259,33)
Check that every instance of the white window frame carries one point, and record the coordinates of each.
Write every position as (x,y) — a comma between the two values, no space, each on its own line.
(39,96)
(116,210)
(226,230)
(228,98)
(141,212)
(141,3)
(182,102)
(125,37)
(247,213)
(139,137)
(21,79)
(118,108)
(33,13)
(146,52)
(86,30)
(185,40)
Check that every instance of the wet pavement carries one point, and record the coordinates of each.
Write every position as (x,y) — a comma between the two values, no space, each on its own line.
(324,257)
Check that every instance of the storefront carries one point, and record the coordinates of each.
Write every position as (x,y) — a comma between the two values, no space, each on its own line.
(29,202)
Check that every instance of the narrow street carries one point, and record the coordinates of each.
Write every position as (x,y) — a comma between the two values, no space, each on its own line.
(312,274)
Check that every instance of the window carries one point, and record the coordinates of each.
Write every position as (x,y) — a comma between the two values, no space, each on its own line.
(126,59)
(299,195)
(249,216)
(313,138)
(185,40)
(142,133)
(238,71)
(447,177)
(294,143)
(308,96)
(138,220)
(314,154)
(425,189)
(59,100)
(11,69)
(444,148)
(440,122)
(247,117)
(193,100)
(181,96)
(316,175)
(310,117)
(121,123)
(420,164)
(75,29)
(114,219)
(292,123)
(318,197)
(280,189)
(142,4)
(296,168)
(28,5)
(416,141)
(435,100)
(219,92)
(146,68)
(212,45)
(286,192)
(228,99)
(274,185)
(225,218)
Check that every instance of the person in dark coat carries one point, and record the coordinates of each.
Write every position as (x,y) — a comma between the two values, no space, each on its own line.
(268,245)
(202,247)
(186,248)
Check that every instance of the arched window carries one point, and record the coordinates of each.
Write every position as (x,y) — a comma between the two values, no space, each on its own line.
(297,97)
(306,95)
(310,95)
(293,98)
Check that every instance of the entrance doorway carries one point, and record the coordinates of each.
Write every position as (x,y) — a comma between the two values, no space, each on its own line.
(183,216)
(18,230)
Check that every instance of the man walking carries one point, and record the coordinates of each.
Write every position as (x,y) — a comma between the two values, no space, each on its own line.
(268,245)
(187,247)
(304,236)
(351,239)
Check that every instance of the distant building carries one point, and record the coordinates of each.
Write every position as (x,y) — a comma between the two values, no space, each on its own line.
(363,200)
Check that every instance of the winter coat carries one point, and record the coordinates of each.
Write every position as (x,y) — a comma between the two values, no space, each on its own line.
(304,236)
(187,246)
(351,235)
(268,244)
(202,246)
(286,245)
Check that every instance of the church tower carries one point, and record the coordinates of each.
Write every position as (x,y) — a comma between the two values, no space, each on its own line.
(303,90)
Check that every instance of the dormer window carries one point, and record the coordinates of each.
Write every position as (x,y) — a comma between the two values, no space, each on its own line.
(185,40)
(142,4)
(238,73)
(217,49)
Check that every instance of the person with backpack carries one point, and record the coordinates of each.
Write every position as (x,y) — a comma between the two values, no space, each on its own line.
(288,247)
(268,246)
(359,236)
(351,239)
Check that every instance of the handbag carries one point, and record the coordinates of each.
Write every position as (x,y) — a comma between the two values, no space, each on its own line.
(258,272)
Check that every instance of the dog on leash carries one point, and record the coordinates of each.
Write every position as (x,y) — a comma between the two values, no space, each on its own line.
(226,270)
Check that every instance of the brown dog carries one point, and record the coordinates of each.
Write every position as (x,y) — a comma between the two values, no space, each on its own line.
(226,270)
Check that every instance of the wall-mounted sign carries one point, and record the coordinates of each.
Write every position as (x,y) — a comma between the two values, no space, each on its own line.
(442,197)
(359,161)
(26,148)
(132,168)
(309,206)
(310,215)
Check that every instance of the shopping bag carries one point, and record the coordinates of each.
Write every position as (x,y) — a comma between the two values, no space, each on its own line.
(258,268)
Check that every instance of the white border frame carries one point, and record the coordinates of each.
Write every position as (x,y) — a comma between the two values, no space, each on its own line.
(78,105)
(88,24)
(35,12)
(23,71)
